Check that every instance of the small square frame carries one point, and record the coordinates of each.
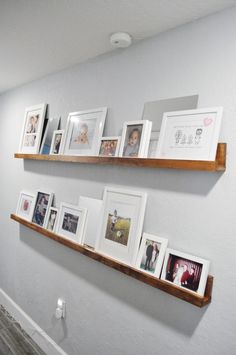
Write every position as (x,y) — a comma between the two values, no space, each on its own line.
(109,151)
(25,205)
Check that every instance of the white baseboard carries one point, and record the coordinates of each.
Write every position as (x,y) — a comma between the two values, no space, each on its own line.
(31,328)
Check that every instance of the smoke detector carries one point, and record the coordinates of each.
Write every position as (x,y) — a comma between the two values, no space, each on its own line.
(121,40)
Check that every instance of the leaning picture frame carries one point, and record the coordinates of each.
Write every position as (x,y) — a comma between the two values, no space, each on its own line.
(135,139)
(71,222)
(53,124)
(185,271)
(109,146)
(25,205)
(51,219)
(151,254)
(122,223)
(190,134)
(83,132)
(57,142)
(43,202)
(32,129)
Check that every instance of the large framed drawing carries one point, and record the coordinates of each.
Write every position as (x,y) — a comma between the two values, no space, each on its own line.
(190,134)
(185,271)
(122,223)
(151,254)
(83,132)
(32,129)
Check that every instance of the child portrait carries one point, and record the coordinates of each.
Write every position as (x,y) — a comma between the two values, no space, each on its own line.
(108,147)
(132,140)
(82,134)
(118,227)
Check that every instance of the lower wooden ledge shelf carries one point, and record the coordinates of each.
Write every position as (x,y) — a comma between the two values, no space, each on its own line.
(188,296)
(219,164)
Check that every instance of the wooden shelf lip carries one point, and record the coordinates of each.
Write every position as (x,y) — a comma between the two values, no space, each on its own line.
(218,165)
(188,296)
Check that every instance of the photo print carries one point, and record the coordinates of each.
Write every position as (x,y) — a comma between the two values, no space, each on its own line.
(42,205)
(109,146)
(51,219)
(57,142)
(118,225)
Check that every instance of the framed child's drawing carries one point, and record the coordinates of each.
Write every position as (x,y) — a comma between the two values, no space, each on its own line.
(32,129)
(71,222)
(25,205)
(83,132)
(42,204)
(151,254)
(122,223)
(109,146)
(190,134)
(185,271)
(135,139)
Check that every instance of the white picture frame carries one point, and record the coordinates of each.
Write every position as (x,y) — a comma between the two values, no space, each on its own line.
(135,139)
(32,129)
(53,124)
(93,220)
(185,271)
(190,134)
(51,219)
(83,132)
(109,146)
(71,222)
(25,205)
(57,142)
(151,254)
(122,223)
(153,143)
(43,202)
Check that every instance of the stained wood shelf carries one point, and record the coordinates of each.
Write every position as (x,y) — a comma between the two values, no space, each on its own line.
(188,296)
(219,164)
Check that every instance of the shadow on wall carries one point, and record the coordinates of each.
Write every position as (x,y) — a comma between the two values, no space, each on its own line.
(166,309)
(182,181)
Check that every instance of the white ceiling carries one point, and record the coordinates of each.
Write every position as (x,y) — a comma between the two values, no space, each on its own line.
(38,37)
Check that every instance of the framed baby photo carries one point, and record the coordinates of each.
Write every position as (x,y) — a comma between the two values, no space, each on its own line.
(190,134)
(52,125)
(57,142)
(109,146)
(122,223)
(51,219)
(185,271)
(32,129)
(151,254)
(135,139)
(84,130)
(42,204)
(71,222)
(25,205)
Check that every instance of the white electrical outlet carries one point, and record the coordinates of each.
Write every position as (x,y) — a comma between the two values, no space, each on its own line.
(61,309)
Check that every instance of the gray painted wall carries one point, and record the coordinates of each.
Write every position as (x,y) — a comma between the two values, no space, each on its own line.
(107,312)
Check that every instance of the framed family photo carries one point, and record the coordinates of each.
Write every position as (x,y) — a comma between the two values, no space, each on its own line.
(190,134)
(84,130)
(71,222)
(42,204)
(135,139)
(25,205)
(57,142)
(32,129)
(51,219)
(151,254)
(185,271)
(109,146)
(122,223)
(53,124)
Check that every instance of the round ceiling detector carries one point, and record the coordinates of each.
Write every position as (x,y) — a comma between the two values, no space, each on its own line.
(120,40)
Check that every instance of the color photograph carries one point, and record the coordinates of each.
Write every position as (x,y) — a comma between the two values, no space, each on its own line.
(118,228)
(43,202)
(52,218)
(132,140)
(109,146)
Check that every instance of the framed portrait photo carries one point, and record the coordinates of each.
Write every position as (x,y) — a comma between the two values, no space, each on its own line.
(53,124)
(185,271)
(32,129)
(135,139)
(151,254)
(25,205)
(190,134)
(57,142)
(71,222)
(84,130)
(42,204)
(109,146)
(51,219)
(122,223)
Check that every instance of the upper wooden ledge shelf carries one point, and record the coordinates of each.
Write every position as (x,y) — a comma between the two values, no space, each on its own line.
(188,296)
(218,165)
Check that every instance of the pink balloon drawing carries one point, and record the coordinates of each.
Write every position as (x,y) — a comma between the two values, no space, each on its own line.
(207,121)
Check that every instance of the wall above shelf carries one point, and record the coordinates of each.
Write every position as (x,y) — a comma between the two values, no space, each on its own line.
(219,164)
(188,296)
